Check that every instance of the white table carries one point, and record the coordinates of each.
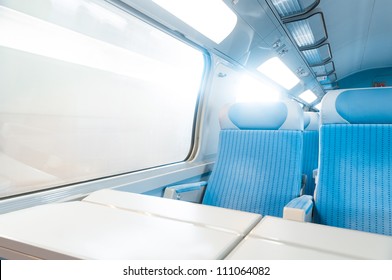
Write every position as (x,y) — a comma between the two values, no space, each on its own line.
(276,238)
(92,230)
(238,222)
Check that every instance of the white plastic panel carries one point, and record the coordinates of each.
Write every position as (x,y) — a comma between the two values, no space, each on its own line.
(222,90)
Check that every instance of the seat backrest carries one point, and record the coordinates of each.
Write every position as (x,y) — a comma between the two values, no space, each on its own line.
(355,180)
(311,149)
(258,167)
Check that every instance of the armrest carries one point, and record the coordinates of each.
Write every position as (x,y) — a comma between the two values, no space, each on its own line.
(192,192)
(299,209)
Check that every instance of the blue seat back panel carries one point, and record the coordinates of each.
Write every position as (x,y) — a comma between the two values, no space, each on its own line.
(256,171)
(310,158)
(355,180)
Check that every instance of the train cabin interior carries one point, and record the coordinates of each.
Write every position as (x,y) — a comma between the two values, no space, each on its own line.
(195,130)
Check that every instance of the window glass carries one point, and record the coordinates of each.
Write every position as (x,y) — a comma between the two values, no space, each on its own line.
(89,91)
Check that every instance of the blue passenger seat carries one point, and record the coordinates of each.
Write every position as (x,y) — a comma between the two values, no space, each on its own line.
(355,173)
(259,163)
(311,149)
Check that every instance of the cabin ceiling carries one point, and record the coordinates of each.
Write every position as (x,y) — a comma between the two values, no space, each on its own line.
(357,34)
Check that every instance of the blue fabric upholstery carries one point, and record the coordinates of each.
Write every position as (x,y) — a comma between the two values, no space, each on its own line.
(355,178)
(310,158)
(256,170)
(310,149)
(355,183)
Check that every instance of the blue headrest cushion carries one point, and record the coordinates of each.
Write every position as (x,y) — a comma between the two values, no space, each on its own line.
(262,116)
(359,106)
(311,121)
(257,116)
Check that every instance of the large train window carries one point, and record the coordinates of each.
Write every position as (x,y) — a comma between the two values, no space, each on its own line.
(89,91)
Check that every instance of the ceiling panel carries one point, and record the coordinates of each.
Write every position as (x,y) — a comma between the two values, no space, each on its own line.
(379,42)
(357,32)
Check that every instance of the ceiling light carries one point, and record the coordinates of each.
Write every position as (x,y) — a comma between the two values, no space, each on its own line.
(308,96)
(212,18)
(277,71)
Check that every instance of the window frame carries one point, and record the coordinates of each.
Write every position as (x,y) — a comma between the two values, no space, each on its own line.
(194,143)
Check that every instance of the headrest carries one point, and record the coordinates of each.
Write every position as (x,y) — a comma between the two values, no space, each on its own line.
(357,106)
(281,115)
(311,121)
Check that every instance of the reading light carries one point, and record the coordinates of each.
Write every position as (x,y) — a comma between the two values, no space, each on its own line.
(250,89)
(277,71)
(212,18)
(308,96)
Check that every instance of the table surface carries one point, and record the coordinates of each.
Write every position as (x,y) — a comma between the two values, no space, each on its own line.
(204,215)
(92,230)
(276,238)
(118,225)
